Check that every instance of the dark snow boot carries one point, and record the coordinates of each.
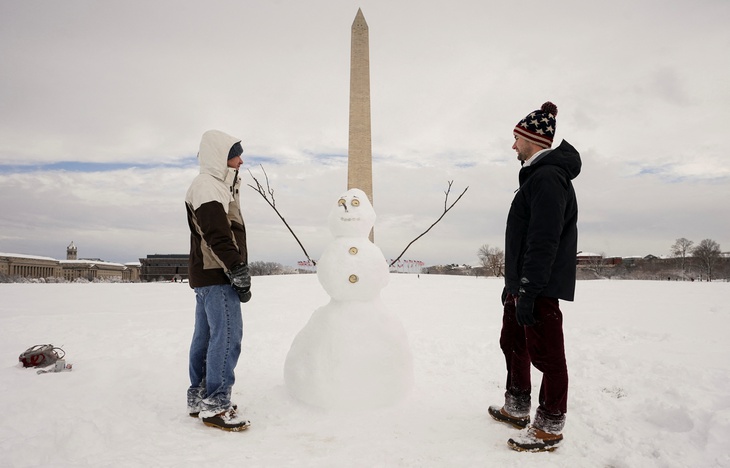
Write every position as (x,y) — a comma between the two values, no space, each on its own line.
(501,415)
(228,420)
(533,439)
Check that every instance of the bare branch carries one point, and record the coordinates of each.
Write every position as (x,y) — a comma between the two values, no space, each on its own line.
(446,210)
(269,192)
(446,199)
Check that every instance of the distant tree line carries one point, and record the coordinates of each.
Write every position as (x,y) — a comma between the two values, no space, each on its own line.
(491,260)
(688,262)
(706,257)
(450,269)
(4,278)
(267,268)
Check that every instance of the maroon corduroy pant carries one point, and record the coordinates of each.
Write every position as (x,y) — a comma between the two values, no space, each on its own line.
(542,345)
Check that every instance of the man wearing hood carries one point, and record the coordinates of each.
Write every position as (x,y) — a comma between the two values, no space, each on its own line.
(218,272)
(540,268)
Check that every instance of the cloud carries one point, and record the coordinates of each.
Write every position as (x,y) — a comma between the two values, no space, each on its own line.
(103,108)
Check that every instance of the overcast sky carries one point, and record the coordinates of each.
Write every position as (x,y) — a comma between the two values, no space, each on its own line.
(103,105)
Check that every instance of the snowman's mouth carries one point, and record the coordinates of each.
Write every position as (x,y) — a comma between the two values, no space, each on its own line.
(351,218)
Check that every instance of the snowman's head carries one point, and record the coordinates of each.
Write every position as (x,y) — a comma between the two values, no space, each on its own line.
(352,216)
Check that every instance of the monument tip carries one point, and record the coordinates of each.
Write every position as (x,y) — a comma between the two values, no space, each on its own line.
(360,19)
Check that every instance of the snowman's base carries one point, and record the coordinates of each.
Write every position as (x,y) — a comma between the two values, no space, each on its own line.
(350,355)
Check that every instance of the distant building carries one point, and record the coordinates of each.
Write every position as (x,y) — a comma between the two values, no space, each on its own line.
(34,267)
(29,266)
(164,267)
(91,270)
(589,259)
(71,251)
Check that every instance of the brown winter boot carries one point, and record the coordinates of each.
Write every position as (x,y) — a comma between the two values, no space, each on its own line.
(533,439)
(501,415)
(228,420)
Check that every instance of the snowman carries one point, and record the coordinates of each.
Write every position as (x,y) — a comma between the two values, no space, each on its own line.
(353,353)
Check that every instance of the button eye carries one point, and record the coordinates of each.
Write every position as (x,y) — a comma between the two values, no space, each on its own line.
(341,202)
(355,202)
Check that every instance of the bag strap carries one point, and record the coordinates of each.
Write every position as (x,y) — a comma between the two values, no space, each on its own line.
(38,355)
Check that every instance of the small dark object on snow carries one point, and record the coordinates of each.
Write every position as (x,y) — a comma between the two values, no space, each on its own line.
(41,355)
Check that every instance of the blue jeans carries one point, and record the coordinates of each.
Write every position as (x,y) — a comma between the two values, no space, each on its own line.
(215,348)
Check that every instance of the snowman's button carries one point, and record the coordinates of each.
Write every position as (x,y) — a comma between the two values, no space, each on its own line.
(353,250)
(354,279)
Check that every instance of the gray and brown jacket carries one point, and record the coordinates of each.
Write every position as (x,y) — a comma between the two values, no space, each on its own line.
(217,231)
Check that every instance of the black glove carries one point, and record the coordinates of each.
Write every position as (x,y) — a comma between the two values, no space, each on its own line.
(241,281)
(244,297)
(525,315)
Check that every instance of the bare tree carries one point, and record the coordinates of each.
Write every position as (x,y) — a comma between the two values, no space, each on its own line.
(708,254)
(681,249)
(269,192)
(447,207)
(492,259)
(597,264)
(265,268)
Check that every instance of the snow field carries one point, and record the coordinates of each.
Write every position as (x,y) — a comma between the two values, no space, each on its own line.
(647,361)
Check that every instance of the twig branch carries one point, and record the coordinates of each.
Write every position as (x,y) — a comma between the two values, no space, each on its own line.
(269,192)
(446,210)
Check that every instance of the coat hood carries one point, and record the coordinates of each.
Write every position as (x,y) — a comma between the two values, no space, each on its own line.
(213,153)
(564,156)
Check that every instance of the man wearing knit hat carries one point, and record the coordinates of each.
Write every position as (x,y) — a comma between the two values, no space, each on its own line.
(540,260)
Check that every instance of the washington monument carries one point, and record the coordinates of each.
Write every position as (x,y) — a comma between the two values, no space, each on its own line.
(360,152)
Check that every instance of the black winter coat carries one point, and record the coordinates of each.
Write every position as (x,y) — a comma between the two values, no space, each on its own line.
(542,235)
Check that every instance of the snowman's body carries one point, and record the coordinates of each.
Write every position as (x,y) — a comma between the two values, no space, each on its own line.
(353,352)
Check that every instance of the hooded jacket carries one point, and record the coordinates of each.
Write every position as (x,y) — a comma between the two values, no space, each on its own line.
(217,231)
(541,239)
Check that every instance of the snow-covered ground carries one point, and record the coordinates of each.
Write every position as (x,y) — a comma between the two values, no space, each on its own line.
(648,365)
